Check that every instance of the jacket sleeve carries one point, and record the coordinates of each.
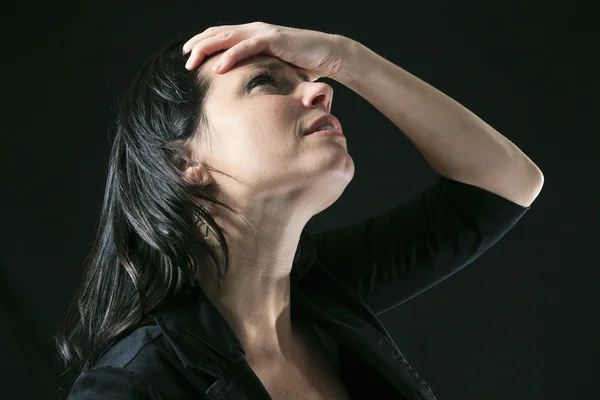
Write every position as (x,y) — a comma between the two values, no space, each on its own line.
(394,256)
(112,383)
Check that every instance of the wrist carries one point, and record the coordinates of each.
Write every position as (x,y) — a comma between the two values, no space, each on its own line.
(349,66)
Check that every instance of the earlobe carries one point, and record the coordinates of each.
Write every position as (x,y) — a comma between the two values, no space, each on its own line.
(199,174)
(193,172)
(196,173)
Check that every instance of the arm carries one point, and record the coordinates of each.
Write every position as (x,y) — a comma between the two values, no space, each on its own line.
(389,258)
(453,140)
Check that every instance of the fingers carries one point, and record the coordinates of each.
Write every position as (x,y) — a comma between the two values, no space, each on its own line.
(244,49)
(212,31)
(208,46)
(241,39)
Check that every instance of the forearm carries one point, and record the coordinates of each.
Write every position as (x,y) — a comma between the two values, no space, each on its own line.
(453,140)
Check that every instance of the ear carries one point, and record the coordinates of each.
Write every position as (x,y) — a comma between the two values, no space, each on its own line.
(191,170)
(196,173)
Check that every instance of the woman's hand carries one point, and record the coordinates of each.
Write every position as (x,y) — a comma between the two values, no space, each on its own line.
(317,54)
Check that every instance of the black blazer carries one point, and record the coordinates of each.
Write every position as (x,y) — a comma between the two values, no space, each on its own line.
(342,280)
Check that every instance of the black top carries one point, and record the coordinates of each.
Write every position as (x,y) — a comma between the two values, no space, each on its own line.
(341,281)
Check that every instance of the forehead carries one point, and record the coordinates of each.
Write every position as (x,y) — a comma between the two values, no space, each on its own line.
(229,85)
(235,75)
(247,64)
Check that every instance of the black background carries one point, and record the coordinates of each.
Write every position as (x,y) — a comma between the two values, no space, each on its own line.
(520,322)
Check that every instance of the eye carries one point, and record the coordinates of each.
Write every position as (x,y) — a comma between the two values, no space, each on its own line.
(261,78)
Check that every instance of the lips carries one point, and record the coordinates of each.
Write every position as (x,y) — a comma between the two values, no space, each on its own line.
(325,119)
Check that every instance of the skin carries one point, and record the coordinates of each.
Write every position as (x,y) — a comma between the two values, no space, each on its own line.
(285,179)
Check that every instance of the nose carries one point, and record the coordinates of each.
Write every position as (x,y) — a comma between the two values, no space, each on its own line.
(318,94)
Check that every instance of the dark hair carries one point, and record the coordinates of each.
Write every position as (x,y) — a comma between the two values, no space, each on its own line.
(147,245)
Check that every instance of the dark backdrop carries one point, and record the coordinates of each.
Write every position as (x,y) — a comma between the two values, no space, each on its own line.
(520,322)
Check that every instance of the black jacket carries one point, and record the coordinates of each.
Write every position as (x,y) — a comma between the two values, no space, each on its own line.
(342,280)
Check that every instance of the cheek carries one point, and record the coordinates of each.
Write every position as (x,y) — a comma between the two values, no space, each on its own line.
(259,129)
(270,107)
(272,119)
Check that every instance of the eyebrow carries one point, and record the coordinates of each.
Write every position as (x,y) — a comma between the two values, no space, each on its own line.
(276,66)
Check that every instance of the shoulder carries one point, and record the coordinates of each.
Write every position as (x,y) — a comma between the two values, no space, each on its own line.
(133,368)
(142,343)
(112,383)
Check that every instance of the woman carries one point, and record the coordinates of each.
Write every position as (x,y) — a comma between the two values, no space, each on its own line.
(232,158)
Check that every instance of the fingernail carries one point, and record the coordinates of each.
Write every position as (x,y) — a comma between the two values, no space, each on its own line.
(216,66)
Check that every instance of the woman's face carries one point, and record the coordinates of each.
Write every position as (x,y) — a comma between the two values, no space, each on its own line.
(257,133)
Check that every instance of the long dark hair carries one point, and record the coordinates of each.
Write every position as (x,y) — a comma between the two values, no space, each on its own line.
(146,248)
